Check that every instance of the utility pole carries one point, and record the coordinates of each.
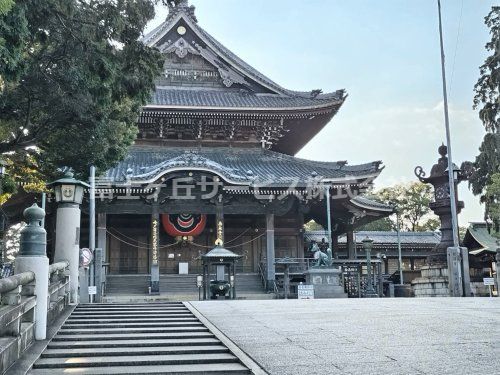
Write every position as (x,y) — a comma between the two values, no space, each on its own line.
(451,180)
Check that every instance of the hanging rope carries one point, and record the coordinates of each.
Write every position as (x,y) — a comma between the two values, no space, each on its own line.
(244,243)
(144,245)
(138,243)
(238,236)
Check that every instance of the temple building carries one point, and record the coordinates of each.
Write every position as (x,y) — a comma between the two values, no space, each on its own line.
(214,159)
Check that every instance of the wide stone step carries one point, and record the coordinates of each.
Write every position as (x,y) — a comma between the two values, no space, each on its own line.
(70,325)
(157,329)
(137,360)
(160,320)
(128,305)
(167,303)
(193,369)
(133,351)
(128,336)
(137,343)
(130,313)
(138,309)
(89,316)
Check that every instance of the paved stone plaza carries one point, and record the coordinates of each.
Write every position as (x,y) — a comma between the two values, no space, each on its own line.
(360,336)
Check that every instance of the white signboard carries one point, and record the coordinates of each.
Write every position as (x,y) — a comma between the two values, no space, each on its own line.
(488,281)
(305,291)
(87,257)
(92,290)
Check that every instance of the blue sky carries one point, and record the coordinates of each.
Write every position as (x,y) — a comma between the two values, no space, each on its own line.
(385,53)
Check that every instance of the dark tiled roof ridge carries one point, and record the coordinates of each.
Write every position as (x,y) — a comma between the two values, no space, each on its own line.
(258,150)
(340,165)
(401,233)
(169,96)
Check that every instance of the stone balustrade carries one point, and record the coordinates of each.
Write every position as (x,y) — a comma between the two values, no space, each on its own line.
(17,309)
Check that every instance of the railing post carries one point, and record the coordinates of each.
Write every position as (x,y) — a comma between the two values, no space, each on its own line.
(32,257)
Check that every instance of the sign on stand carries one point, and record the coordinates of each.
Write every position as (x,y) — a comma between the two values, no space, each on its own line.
(87,257)
(305,291)
(92,290)
(490,281)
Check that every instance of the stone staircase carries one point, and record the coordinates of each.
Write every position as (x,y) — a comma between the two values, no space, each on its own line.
(249,284)
(127,284)
(162,338)
(178,284)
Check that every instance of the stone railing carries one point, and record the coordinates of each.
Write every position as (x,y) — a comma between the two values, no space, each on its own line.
(58,289)
(17,309)
(17,317)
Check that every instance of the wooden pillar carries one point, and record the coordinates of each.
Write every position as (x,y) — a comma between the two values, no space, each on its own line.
(102,235)
(270,255)
(155,252)
(335,246)
(351,245)
(300,239)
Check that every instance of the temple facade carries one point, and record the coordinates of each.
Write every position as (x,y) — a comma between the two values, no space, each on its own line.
(214,161)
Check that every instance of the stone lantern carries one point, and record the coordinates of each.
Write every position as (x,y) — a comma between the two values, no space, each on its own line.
(447,269)
(369,292)
(68,193)
(442,204)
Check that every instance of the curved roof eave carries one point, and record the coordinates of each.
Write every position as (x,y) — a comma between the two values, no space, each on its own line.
(367,204)
(327,105)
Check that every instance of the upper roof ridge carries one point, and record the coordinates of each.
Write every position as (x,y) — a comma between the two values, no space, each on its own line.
(177,6)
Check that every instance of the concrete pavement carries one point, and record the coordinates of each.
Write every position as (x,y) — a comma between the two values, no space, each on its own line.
(364,336)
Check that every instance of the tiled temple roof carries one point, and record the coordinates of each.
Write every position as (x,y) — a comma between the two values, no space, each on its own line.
(278,97)
(237,165)
(176,97)
(428,239)
(478,240)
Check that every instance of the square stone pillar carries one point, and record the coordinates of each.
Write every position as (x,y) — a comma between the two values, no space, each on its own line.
(351,245)
(270,254)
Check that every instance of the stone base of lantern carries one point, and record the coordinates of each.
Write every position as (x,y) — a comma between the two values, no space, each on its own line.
(432,283)
(326,282)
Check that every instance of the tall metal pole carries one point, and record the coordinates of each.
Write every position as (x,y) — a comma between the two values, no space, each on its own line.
(399,250)
(451,182)
(328,217)
(92,224)
(44,200)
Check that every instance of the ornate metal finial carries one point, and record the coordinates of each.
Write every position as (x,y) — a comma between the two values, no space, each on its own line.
(34,215)
(33,238)
(181,5)
(420,173)
(69,174)
(367,243)
(443,150)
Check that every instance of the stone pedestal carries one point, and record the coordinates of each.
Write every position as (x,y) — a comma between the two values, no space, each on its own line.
(68,243)
(326,282)
(433,282)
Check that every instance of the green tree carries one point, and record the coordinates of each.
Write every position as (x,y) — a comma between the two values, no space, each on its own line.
(74,77)
(312,225)
(412,201)
(492,202)
(487,98)
(5,6)
(383,225)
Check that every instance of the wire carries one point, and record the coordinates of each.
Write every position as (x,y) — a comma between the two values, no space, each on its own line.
(456,48)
